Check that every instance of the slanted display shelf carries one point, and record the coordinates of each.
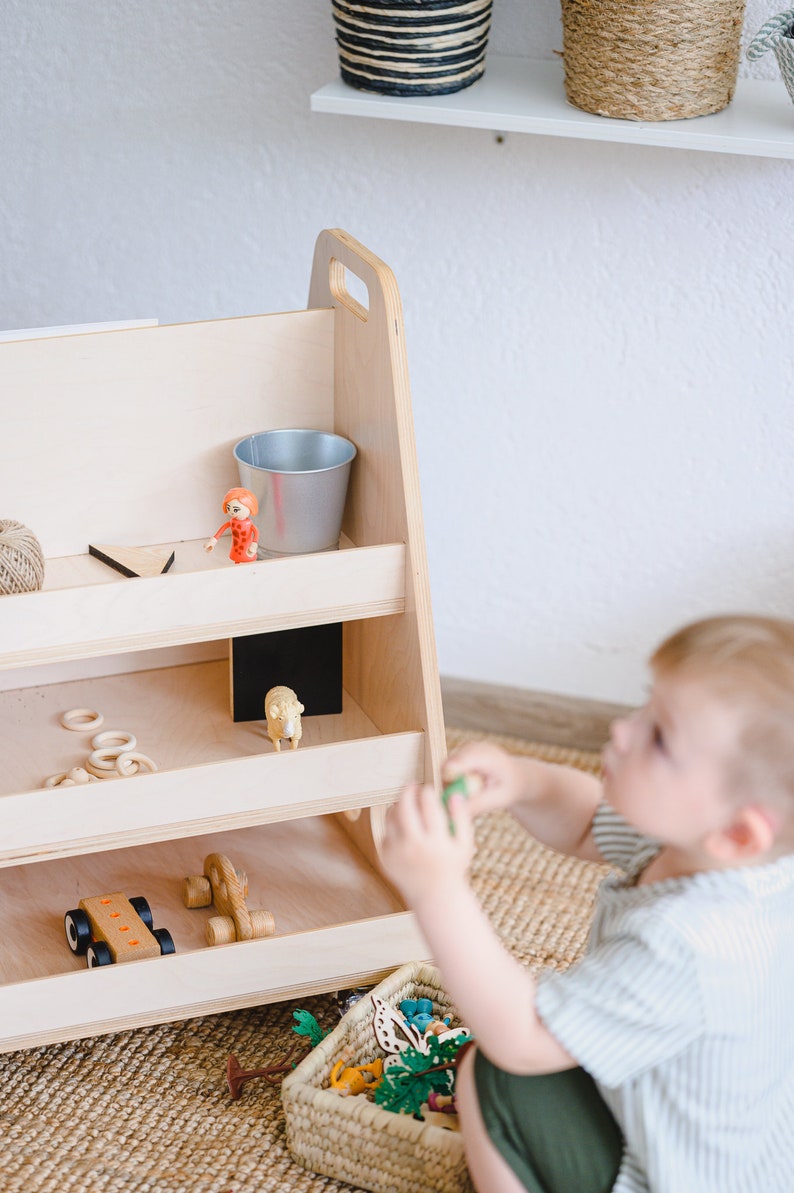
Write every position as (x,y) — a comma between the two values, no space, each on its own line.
(115,436)
(521,95)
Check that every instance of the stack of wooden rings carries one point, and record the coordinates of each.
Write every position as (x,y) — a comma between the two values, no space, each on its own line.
(113,755)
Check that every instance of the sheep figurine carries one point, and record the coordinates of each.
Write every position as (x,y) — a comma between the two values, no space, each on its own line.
(283,711)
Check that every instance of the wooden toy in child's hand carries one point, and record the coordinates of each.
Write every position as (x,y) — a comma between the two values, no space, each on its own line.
(356,1079)
(226,888)
(113,928)
(283,711)
(239,504)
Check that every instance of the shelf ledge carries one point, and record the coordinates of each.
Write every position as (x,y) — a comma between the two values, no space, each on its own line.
(211,798)
(209,981)
(112,614)
(521,95)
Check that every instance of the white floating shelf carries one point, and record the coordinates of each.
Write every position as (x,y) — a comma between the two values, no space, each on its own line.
(521,95)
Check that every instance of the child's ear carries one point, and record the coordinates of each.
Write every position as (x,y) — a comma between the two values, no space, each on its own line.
(751,833)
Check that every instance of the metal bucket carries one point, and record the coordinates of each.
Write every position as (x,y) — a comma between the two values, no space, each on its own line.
(299,477)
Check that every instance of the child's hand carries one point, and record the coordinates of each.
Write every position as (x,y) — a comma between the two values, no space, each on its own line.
(502,781)
(419,854)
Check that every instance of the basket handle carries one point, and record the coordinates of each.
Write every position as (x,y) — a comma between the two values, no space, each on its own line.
(767,37)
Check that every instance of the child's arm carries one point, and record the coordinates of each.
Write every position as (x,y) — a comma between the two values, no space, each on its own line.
(556,804)
(493,993)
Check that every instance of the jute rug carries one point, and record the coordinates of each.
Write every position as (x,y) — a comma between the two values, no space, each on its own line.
(148,1111)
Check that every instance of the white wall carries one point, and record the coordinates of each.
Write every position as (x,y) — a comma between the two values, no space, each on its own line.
(600,336)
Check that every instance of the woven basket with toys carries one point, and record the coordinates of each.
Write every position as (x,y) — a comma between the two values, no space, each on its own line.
(335,1101)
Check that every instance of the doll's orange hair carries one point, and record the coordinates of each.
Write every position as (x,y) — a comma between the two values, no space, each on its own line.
(243,495)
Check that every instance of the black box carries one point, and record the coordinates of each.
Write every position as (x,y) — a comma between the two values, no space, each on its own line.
(308,660)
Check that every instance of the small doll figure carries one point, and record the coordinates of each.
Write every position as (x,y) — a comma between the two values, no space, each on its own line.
(239,504)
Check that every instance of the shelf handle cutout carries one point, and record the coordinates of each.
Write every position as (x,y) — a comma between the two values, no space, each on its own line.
(350,290)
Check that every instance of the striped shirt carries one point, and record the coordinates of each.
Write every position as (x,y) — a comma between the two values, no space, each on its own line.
(682,1010)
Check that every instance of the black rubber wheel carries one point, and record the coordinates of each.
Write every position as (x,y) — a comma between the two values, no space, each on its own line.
(98,954)
(165,941)
(144,910)
(77,927)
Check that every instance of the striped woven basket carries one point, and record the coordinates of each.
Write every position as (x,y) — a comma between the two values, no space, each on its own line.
(778,35)
(412,47)
(354,1140)
(651,59)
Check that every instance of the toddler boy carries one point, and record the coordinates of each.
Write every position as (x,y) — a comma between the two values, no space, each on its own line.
(663,1062)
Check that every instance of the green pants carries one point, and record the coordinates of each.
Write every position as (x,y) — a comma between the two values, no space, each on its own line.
(555,1131)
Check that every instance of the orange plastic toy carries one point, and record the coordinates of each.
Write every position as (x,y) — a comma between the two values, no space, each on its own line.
(354,1079)
(239,504)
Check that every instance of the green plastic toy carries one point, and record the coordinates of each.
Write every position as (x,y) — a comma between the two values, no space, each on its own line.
(464,785)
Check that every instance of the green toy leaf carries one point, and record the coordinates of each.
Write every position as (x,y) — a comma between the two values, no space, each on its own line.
(406,1082)
(308,1026)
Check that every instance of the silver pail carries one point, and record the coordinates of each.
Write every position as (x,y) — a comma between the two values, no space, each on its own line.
(299,477)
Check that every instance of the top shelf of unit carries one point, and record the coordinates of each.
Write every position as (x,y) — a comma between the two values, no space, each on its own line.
(87,609)
(521,95)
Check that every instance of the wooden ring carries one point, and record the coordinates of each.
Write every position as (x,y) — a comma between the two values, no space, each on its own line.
(82,719)
(129,758)
(104,773)
(121,739)
(104,758)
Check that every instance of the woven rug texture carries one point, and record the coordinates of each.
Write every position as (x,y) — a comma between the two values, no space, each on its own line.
(148,1111)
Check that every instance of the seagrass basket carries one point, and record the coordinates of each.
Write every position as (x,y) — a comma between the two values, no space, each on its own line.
(352,1139)
(412,47)
(651,59)
(777,34)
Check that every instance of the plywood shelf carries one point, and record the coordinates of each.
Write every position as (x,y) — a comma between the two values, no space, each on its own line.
(87,609)
(329,934)
(521,95)
(213,773)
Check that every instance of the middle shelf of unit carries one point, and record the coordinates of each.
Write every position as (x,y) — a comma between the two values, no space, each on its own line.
(86,609)
(213,773)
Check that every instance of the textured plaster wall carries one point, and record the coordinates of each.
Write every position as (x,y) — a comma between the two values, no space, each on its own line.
(600,336)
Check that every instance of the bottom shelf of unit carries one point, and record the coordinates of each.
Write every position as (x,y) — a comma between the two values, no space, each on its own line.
(338,924)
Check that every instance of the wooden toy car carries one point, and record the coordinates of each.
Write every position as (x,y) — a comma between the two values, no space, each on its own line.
(108,928)
(226,888)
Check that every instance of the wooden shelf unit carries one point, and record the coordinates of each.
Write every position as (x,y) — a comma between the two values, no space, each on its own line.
(125,437)
(522,95)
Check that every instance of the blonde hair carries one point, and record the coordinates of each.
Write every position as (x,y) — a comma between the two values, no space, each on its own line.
(746,662)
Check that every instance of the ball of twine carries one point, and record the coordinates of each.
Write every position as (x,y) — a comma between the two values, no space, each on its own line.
(21,559)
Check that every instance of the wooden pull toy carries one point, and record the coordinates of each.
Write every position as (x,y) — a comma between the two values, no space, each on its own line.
(112,928)
(356,1079)
(226,888)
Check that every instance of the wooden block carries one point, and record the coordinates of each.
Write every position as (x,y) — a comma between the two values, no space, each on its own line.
(115,920)
(134,561)
(307,659)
